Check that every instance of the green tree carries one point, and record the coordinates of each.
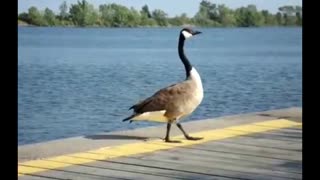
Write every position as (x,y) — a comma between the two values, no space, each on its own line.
(269,19)
(299,19)
(279,18)
(289,20)
(120,16)
(146,17)
(24,17)
(64,10)
(145,11)
(226,16)
(289,15)
(113,15)
(83,14)
(180,20)
(248,16)
(64,15)
(207,14)
(160,17)
(35,17)
(288,10)
(299,15)
(107,13)
(133,18)
(49,17)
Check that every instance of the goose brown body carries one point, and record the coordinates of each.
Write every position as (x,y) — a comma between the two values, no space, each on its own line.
(172,103)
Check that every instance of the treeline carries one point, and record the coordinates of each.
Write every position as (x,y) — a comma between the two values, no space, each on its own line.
(84,14)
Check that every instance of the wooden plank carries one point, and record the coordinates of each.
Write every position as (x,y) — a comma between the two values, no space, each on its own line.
(225,160)
(96,173)
(104,169)
(219,163)
(254,150)
(265,143)
(229,154)
(149,146)
(39,177)
(198,168)
(273,137)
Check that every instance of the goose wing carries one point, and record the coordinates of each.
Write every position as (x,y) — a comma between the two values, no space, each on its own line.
(161,99)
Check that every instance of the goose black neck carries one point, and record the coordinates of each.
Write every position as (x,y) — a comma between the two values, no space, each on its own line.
(183,57)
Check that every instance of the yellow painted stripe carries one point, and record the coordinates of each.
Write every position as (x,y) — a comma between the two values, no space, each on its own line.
(149,146)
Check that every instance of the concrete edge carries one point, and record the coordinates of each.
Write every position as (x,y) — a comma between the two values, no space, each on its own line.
(85,143)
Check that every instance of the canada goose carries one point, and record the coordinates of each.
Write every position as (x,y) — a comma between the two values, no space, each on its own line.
(176,101)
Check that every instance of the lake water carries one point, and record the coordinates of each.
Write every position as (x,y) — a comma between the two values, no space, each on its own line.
(81,81)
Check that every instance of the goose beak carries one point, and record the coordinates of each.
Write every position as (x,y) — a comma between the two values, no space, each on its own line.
(196,32)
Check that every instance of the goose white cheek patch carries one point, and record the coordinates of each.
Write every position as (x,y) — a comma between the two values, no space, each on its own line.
(186,34)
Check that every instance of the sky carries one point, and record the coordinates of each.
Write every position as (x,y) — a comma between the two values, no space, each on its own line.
(171,7)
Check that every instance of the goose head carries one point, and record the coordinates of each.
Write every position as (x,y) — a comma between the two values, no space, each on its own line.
(188,32)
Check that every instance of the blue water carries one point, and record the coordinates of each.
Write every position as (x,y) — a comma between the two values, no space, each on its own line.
(81,81)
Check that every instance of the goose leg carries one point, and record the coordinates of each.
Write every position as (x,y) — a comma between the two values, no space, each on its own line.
(167,139)
(186,135)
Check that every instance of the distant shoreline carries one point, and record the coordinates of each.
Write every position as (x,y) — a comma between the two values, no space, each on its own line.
(112,15)
(25,24)
(229,27)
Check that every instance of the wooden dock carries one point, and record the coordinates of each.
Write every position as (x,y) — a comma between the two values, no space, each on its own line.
(254,146)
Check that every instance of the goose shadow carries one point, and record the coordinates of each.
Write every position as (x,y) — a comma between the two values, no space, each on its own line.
(115,137)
